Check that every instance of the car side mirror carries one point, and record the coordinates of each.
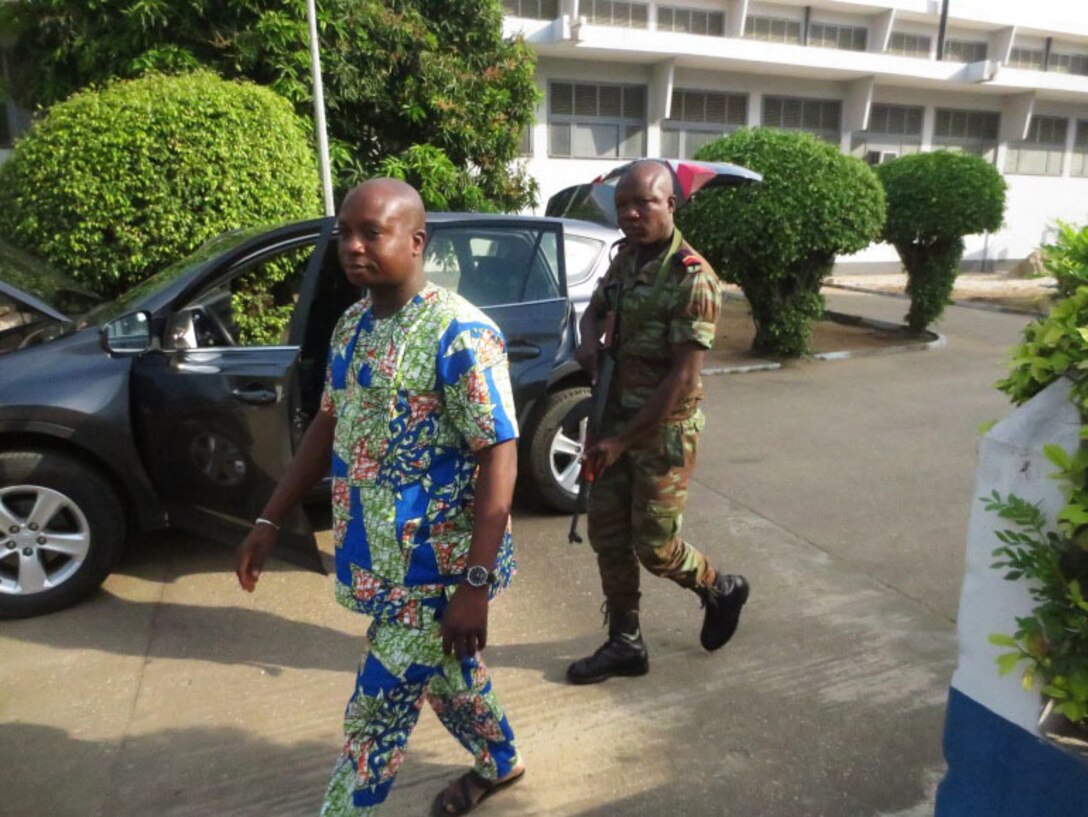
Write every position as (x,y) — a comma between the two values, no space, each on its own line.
(128,335)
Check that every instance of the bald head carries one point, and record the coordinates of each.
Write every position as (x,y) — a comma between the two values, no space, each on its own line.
(647,174)
(645,203)
(396,198)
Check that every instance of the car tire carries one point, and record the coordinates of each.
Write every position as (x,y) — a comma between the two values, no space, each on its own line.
(62,530)
(555,446)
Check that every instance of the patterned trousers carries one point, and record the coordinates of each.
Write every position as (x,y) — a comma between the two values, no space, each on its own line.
(403,666)
(636,509)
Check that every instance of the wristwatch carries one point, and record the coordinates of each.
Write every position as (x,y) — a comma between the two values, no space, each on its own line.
(478,576)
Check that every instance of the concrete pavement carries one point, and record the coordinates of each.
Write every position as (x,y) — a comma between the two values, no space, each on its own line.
(841,489)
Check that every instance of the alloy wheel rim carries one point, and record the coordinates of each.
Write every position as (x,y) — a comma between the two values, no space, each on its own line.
(565,456)
(44,539)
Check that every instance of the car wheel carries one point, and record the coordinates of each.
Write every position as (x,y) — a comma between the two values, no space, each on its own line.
(555,447)
(62,530)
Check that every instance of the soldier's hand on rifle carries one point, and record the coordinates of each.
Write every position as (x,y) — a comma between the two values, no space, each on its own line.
(586,354)
(603,454)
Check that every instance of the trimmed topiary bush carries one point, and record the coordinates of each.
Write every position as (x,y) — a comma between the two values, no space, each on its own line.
(115,184)
(778,240)
(934,200)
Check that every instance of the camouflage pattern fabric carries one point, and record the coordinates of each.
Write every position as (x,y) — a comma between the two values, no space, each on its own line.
(672,299)
(636,507)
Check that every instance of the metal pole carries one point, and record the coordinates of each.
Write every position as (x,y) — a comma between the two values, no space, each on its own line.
(942,28)
(319,110)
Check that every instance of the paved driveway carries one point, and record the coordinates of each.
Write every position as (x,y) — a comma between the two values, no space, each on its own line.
(841,489)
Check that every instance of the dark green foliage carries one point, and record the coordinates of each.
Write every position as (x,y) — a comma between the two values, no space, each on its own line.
(778,240)
(113,185)
(934,200)
(396,74)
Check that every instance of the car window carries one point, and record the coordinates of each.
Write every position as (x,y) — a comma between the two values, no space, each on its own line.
(252,306)
(493,265)
(581,255)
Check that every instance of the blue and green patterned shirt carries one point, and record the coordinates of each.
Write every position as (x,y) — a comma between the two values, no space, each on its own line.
(414,396)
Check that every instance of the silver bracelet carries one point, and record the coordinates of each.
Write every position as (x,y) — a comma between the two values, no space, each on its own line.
(260,520)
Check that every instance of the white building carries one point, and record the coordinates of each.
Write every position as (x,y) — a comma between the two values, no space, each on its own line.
(629,78)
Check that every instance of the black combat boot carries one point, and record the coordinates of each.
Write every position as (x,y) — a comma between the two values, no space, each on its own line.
(722,601)
(622,654)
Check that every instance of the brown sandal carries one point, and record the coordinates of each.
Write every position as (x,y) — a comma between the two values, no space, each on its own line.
(467,783)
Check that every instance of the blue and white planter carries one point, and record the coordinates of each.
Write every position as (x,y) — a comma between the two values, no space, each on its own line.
(999,763)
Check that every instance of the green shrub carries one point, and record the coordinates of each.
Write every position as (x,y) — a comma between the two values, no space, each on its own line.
(396,74)
(934,200)
(1067,258)
(114,184)
(778,240)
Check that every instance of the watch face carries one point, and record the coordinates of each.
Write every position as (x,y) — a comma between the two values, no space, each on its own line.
(476,576)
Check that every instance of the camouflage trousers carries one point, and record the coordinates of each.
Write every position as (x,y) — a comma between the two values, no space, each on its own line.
(636,509)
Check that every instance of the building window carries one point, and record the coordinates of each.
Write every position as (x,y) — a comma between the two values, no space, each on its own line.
(615,13)
(532,9)
(691,21)
(1079,165)
(967,131)
(699,117)
(894,131)
(1040,154)
(1028,58)
(964,50)
(1068,63)
(820,117)
(525,141)
(844,38)
(773,29)
(589,121)
(909,45)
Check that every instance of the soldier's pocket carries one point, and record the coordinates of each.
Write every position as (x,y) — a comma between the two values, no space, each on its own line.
(680,440)
(674,445)
(662,517)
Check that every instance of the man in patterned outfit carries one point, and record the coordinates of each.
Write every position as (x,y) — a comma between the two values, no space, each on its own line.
(417,419)
(663,300)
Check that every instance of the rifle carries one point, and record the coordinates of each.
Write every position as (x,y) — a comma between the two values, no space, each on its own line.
(606,368)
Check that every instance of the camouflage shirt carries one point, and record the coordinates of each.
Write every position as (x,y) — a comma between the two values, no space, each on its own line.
(674,298)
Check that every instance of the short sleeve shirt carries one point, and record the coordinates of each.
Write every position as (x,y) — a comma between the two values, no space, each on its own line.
(414,395)
(672,299)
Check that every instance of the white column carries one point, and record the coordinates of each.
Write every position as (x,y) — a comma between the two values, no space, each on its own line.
(929,124)
(735,13)
(880,31)
(659,103)
(755,109)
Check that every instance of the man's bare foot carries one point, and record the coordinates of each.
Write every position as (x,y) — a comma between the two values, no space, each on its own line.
(467,791)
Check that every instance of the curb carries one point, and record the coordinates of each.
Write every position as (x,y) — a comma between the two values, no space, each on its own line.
(980,305)
(934,340)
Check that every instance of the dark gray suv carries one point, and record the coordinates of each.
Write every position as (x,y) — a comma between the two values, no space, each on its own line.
(150,411)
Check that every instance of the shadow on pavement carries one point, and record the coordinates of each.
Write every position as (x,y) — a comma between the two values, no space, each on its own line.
(217,634)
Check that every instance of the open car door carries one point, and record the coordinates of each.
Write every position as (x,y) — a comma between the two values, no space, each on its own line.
(219,403)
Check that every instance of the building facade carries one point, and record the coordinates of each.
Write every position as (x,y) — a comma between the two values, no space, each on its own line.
(623,78)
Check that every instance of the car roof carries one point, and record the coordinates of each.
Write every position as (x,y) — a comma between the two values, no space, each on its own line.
(571,224)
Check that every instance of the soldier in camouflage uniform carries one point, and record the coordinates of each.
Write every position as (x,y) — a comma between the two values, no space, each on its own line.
(661,299)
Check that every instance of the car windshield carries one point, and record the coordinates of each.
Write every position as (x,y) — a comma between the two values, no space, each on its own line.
(129,300)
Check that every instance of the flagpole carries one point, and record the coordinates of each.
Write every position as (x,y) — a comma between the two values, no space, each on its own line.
(319,110)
